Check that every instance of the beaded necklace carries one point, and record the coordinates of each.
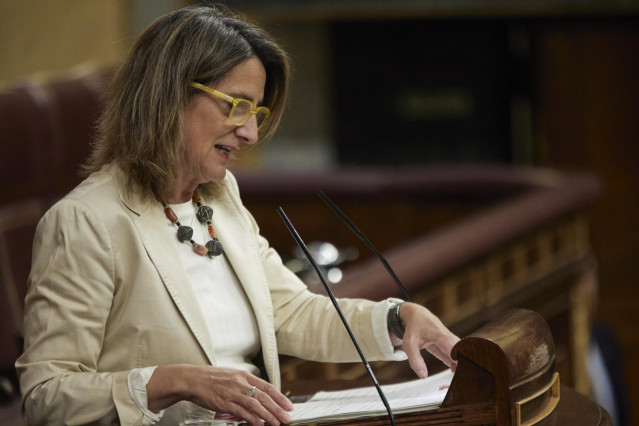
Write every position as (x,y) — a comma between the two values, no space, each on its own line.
(185,233)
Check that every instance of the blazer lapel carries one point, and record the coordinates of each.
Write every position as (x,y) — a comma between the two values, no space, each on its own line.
(242,251)
(163,254)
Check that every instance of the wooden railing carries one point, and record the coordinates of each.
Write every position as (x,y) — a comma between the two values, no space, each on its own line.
(514,237)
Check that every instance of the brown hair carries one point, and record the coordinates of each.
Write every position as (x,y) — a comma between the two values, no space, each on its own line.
(142,125)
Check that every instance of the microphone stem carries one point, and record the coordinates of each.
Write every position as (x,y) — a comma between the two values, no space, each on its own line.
(370,245)
(302,245)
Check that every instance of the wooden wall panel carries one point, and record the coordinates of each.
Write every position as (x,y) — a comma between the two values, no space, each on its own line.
(589,119)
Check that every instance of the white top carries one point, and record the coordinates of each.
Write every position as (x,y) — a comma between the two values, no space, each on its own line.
(226,309)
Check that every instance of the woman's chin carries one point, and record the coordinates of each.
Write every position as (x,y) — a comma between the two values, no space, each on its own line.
(217,175)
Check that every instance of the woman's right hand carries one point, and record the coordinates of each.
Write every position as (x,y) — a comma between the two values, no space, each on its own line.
(220,390)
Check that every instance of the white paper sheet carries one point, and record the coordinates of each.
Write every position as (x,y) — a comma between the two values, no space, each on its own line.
(420,394)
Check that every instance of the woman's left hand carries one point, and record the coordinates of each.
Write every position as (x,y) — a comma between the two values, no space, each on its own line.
(424,331)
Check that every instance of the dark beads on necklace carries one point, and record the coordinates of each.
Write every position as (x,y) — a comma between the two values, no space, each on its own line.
(184,233)
(214,247)
(204,214)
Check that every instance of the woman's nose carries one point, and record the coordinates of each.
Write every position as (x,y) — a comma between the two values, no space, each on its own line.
(248,131)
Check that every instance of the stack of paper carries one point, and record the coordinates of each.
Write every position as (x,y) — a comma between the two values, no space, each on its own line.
(416,395)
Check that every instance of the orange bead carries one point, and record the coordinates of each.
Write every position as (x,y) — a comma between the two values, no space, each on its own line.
(170,214)
(211,231)
(196,197)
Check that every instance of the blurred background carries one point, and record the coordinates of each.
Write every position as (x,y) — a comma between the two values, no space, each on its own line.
(419,84)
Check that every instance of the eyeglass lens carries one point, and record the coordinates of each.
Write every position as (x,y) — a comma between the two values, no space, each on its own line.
(243,110)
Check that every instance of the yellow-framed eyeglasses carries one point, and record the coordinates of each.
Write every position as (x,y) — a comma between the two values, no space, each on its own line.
(241,109)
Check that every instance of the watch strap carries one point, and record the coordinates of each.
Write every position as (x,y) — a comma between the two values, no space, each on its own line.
(394,321)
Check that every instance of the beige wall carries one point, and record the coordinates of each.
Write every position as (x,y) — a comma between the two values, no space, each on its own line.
(52,36)
(55,35)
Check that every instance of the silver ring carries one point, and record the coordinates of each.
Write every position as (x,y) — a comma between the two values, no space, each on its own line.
(251,392)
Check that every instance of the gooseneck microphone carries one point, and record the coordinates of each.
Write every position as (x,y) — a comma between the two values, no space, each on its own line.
(370,245)
(302,246)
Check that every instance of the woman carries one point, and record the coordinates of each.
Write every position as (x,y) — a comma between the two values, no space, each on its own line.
(125,322)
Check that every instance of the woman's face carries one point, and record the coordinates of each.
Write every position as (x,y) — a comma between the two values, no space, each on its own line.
(210,138)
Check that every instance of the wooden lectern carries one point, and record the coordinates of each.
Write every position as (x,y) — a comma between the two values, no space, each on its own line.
(506,376)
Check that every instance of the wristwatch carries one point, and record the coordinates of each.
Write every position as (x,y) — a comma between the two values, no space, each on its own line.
(394,321)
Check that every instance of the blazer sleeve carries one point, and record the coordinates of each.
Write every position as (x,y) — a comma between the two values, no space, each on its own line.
(71,288)
(306,324)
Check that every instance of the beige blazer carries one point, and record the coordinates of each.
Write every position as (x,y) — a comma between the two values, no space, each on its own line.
(108,293)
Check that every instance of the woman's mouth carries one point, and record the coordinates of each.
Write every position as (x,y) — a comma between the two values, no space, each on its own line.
(223,150)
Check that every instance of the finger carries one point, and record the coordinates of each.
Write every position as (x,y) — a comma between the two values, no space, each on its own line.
(415,359)
(235,405)
(235,398)
(277,396)
(262,405)
(272,407)
(242,413)
(440,354)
